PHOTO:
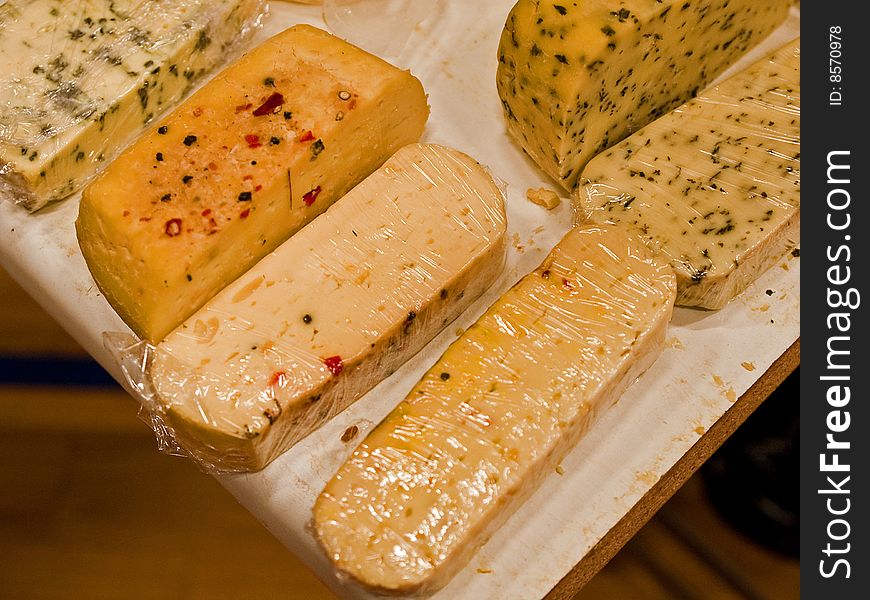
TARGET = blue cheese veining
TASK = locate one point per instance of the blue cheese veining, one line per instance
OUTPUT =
(81, 78)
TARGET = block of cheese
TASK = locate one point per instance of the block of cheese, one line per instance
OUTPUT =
(239, 167)
(577, 77)
(80, 80)
(331, 312)
(715, 185)
(499, 409)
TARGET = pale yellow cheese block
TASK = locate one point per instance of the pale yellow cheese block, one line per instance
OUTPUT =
(715, 185)
(577, 77)
(504, 403)
(244, 163)
(333, 310)
(80, 80)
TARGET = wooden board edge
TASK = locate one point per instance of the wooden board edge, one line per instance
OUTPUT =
(676, 476)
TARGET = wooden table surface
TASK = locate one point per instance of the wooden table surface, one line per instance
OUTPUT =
(677, 475)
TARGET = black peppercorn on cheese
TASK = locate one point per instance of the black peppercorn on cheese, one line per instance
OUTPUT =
(239, 167)
(333, 310)
(713, 186)
(577, 77)
(80, 79)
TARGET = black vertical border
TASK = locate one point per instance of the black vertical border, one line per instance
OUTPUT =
(829, 128)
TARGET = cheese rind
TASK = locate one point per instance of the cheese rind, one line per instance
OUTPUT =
(333, 310)
(243, 164)
(504, 403)
(575, 78)
(714, 186)
(81, 81)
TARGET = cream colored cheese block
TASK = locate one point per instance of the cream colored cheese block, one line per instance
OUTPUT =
(577, 77)
(243, 164)
(333, 310)
(81, 79)
(714, 186)
(504, 403)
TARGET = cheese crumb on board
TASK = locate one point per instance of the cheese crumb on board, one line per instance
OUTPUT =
(543, 197)
(331, 312)
(244, 163)
(715, 185)
(575, 78)
(501, 408)
(80, 79)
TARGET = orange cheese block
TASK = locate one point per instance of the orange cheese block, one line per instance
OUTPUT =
(243, 164)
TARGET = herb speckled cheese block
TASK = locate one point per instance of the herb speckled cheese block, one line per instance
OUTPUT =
(80, 79)
(714, 186)
(243, 164)
(577, 77)
(332, 311)
(501, 407)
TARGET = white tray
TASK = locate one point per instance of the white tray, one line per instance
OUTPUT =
(710, 359)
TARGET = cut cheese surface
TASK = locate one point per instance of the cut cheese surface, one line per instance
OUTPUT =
(577, 77)
(715, 185)
(81, 78)
(504, 403)
(333, 310)
(244, 163)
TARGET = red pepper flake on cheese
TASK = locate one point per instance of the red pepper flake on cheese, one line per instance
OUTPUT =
(334, 364)
(279, 378)
(311, 196)
(272, 104)
(173, 227)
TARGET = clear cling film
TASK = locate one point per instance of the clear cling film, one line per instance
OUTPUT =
(329, 314)
(499, 409)
(81, 79)
(705, 368)
(714, 186)
(364, 22)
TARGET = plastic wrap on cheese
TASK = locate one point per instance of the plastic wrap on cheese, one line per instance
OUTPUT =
(493, 416)
(577, 77)
(714, 186)
(330, 313)
(81, 78)
(241, 165)
(364, 22)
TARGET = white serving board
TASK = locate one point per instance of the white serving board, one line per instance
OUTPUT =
(711, 358)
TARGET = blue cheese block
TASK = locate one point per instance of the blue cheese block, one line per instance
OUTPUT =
(577, 77)
(714, 187)
(88, 76)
